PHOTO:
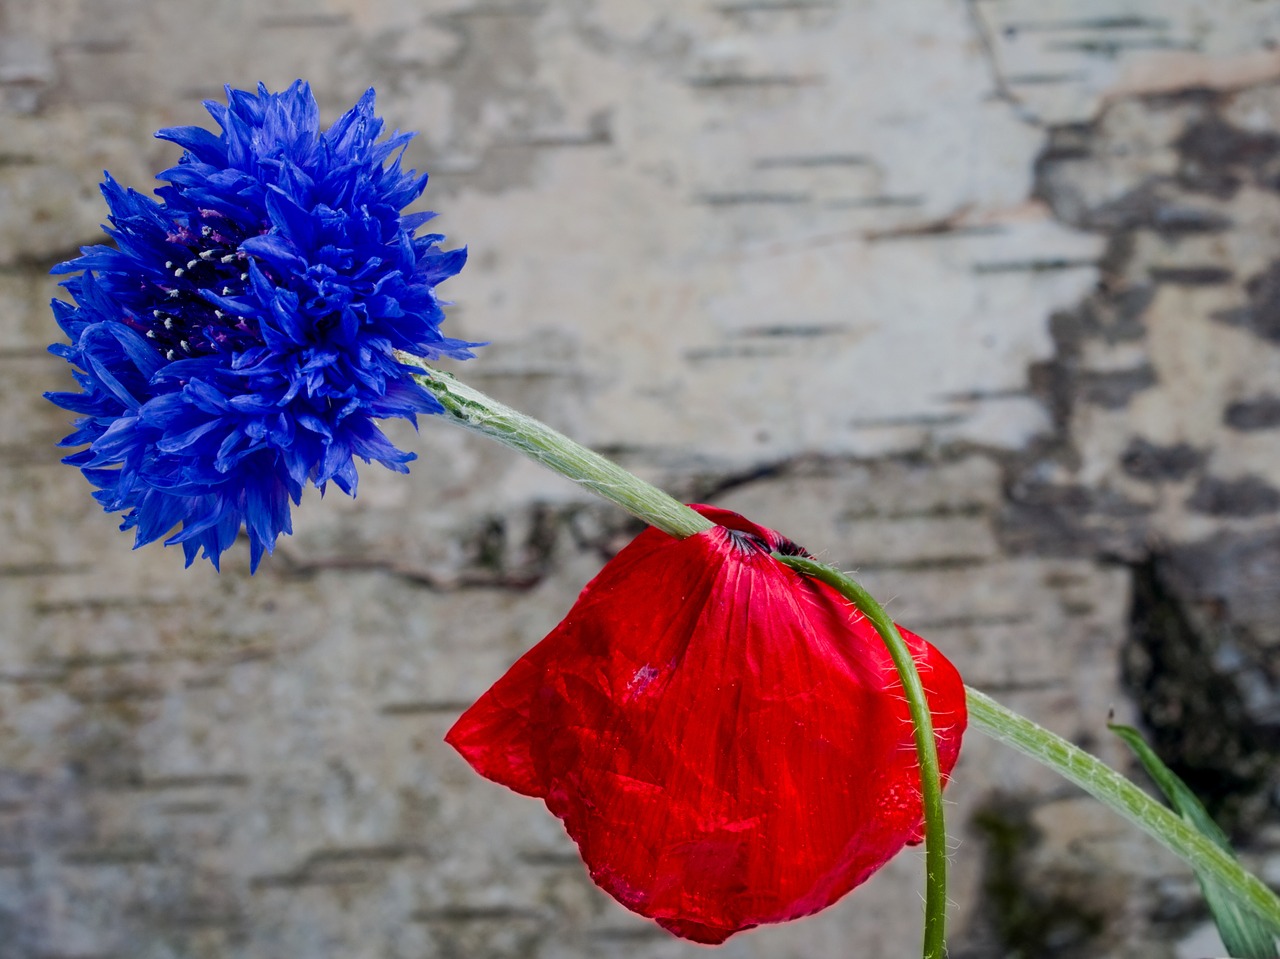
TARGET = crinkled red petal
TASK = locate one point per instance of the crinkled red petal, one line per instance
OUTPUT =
(725, 739)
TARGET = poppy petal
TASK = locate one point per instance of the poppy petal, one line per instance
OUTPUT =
(725, 739)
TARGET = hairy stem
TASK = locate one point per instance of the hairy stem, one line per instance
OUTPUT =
(935, 829)
(472, 410)
(1114, 790)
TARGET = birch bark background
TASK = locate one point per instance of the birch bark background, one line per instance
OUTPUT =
(980, 299)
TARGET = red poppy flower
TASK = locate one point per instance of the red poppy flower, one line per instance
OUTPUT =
(725, 739)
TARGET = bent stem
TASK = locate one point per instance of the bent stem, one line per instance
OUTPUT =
(935, 830)
(478, 413)
(474, 411)
(1114, 790)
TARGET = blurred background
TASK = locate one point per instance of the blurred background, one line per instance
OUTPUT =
(979, 299)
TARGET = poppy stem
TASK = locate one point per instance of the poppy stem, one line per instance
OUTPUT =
(1114, 790)
(472, 410)
(935, 830)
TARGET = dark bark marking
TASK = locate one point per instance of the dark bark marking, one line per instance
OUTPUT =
(1244, 497)
(1152, 463)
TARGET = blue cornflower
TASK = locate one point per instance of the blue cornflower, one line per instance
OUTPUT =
(241, 338)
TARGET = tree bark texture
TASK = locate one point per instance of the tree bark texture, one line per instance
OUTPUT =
(979, 299)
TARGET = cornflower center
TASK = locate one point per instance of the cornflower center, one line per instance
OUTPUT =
(178, 318)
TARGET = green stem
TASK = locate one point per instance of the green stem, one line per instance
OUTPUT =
(476, 412)
(1109, 787)
(472, 410)
(935, 830)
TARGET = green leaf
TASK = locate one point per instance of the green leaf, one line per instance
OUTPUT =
(1244, 935)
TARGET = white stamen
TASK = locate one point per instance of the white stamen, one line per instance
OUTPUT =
(205, 255)
(206, 230)
(179, 271)
(169, 354)
(218, 314)
(186, 347)
(244, 276)
(151, 334)
(173, 294)
(168, 264)
(168, 322)
(227, 259)
(191, 263)
(226, 291)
